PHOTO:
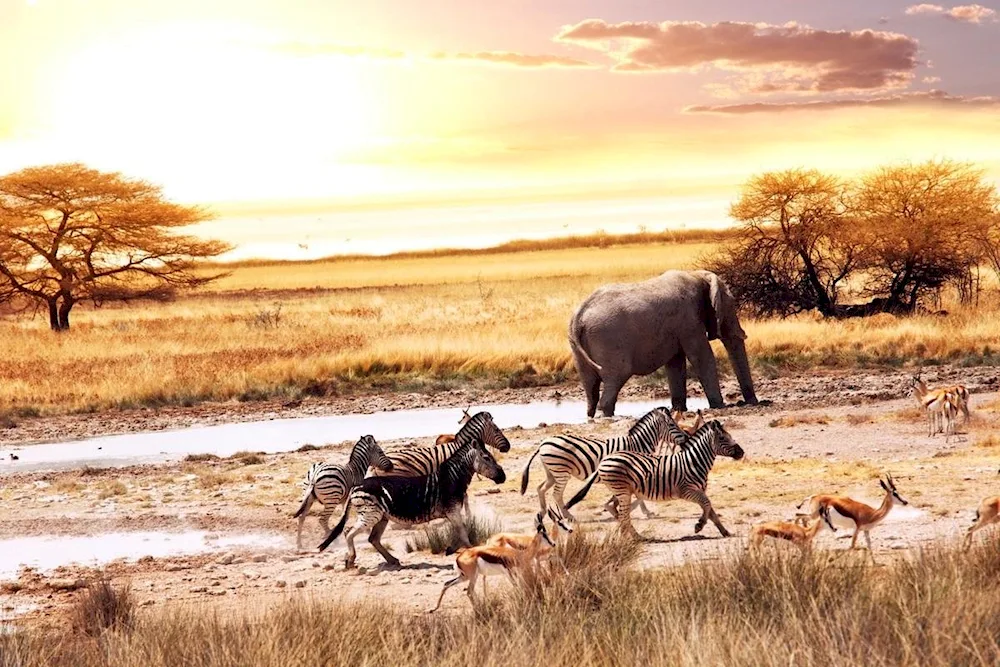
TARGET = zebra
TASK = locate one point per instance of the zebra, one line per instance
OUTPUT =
(330, 483)
(411, 501)
(424, 460)
(683, 475)
(565, 456)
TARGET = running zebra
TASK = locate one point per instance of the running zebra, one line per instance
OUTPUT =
(425, 460)
(410, 501)
(682, 475)
(565, 456)
(331, 483)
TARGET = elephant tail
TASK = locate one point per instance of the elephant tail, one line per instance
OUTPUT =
(578, 349)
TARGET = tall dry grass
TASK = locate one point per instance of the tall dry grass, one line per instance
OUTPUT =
(327, 328)
(770, 608)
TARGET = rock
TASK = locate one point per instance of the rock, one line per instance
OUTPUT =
(217, 591)
(199, 589)
(249, 574)
(216, 582)
(145, 559)
(280, 583)
(227, 559)
(329, 566)
(66, 584)
(542, 425)
(177, 568)
(492, 490)
(300, 583)
(259, 558)
(288, 559)
(314, 564)
(147, 603)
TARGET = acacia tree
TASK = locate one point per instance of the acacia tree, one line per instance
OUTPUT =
(796, 243)
(69, 233)
(925, 225)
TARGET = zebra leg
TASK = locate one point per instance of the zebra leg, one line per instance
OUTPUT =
(306, 505)
(455, 519)
(557, 495)
(352, 554)
(625, 514)
(611, 507)
(375, 538)
(707, 512)
(543, 488)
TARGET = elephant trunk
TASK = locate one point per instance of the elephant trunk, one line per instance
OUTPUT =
(741, 365)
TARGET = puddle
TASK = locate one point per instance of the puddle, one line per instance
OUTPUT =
(48, 552)
(283, 435)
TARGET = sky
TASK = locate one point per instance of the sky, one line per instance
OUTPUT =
(312, 127)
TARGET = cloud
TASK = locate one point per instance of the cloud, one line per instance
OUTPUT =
(511, 59)
(963, 13)
(931, 79)
(796, 57)
(933, 98)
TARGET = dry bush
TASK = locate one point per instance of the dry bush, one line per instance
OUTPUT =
(103, 606)
(858, 418)
(440, 538)
(248, 458)
(788, 421)
(200, 458)
(112, 488)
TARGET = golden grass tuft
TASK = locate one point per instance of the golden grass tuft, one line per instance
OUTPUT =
(789, 421)
(773, 607)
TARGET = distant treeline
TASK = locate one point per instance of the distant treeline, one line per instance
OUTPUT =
(596, 240)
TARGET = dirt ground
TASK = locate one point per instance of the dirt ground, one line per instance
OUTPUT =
(831, 432)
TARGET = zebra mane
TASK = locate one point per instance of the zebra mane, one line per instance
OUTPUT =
(473, 428)
(359, 453)
(648, 418)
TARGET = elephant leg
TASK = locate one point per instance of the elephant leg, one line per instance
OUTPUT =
(677, 381)
(700, 352)
(610, 395)
(591, 382)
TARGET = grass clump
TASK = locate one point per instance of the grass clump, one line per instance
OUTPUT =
(200, 458)
(103, 607)
(440, 538)
(248, 458)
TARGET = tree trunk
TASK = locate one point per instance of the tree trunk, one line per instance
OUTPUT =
(54, 315)
(67, 305)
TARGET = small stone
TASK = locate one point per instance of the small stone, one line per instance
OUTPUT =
(217, 591)
(66, 584)
(259, 558)
(314, 564)
(145, 559)
(281, 583)
(148, 603)
(227, 559)
(300, 583)
(492, 490)
(329, 566)
(542, 425)
(199, 589)
(249, 574)
(216, 583)
(288, 559)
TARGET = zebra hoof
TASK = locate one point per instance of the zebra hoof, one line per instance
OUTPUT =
(698, 526)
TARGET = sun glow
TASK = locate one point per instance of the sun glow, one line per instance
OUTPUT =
(218, 102)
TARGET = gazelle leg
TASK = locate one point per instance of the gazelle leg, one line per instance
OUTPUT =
(448, 584)
(375, 538)
(707, 511)
(854, 538)
(645, 510)
(868, 539)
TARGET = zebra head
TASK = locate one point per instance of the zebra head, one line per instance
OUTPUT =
(376, 457)
(482, 432)
(484, 464)
(721, 442)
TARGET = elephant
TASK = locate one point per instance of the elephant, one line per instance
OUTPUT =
(627, 329)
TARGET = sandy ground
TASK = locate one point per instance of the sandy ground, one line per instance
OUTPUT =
(834, 432)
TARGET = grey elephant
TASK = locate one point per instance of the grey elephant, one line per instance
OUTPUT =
(630, 329)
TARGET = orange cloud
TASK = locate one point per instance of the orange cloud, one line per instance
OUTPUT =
(802, 58)
(964, 13)
(514, 59)
(934, 98)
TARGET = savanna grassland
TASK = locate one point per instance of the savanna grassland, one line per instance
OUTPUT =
(411, 322)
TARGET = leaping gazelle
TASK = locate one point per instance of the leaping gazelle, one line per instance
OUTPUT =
(987, 514)
(851, 514)
(800, 536)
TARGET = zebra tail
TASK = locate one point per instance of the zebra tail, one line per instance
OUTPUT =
(582, 492)
(527, 471)
(338, 529)
(305, 502)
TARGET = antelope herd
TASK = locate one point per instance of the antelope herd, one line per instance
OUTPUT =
(661, 457)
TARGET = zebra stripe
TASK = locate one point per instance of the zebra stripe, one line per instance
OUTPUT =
(683, 475)
(330, 483)
(479, 431)
(566, 456)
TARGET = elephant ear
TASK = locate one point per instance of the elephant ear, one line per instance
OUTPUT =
(722, 320)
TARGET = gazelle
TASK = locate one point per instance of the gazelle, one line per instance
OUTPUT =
(492, 560)
(851, 514)
(523, 541)
(800, 536)
(678, 416)
(445, 438)
(987, 514)
(933, 402)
